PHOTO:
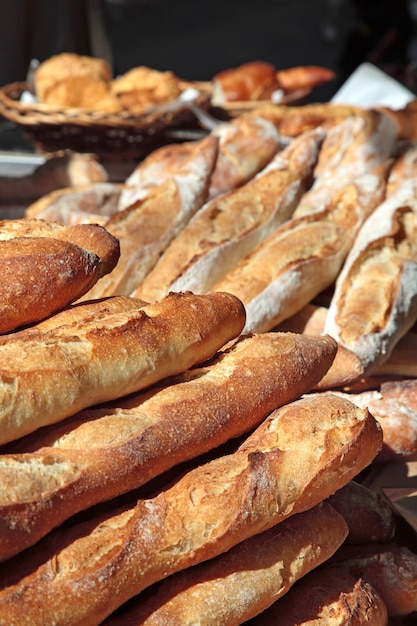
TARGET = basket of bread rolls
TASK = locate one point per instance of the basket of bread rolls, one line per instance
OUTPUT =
(197, 381)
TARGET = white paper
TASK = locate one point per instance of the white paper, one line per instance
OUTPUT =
(368, 86)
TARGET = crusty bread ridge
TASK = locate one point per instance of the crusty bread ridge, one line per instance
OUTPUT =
(300, 455)
(241, 583)
(229, 226)
(104, 452)
(47, 375)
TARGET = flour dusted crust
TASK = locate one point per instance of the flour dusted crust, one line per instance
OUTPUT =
(106, 357)
(147, 226)
(101, 453)
(287, 466)
(242, 583)
(375, 300)
(301, 257)
(229, 226)
(327, 597)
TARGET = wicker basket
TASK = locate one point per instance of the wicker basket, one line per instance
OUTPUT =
(109, 135)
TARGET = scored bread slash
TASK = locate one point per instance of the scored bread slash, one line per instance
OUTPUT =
(375, 298)
(45, 266)
(146, 227)
(302, 257)
(246, 145)
(47, 375)
(301, 454)
(360, 144)
(103, 452)
(326, 596)
(187, 163)
(226, 228)
(253, 574)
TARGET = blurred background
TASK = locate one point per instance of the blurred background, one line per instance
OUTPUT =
(196, 39)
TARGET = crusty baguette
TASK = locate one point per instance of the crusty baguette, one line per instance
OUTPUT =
(302, 257)
(360, 144)
(47, 375)
(300, 455)
(45, 266)
(246, 145)
(146, 228)
(228, 227)
(180, 162)
(367, 514)
(375, 298)
(346, 368)
(394, 405)
(104, 452)
(88, 204)
(390, 569)
(327, 597)
(241, 583)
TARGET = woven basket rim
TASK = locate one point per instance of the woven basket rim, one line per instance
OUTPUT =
(36, 113)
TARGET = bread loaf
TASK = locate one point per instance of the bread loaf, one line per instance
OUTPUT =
(93, 203)
(102, 453)
(241, 583)
(147, 227)
(301, 258)
(368, 515)
(327, 596)
(228, 227)
(389, 568)
(255, 80)
(246, 145)
(47, 375)
(46, 266)
(303, 77)
(394, 405)
(187, 163)
(362, 143)
(300, 455)
(375, 299)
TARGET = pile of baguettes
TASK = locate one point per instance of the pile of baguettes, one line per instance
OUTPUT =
(198, 366)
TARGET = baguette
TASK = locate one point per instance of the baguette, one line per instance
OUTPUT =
(241, 583)
(88, 204)
(46, 266)
(368, 515)
(394, 405)
(104, 452)
(145, 228)
(107, 357)
(301, 258)
(375, 298)
(389, 568)
(300, 455)
(246, 145)
(186, 163)
(327, 596)
(228, 227)
(362, 143)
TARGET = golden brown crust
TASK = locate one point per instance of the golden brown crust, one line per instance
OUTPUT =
(46, 266)
(290, 463)
(99, 454)
(146, 227)
(241, 583)
(228, 227)
(67, 64)
(301, 257)
(107, 357)
(390, 569)
(327, 597)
